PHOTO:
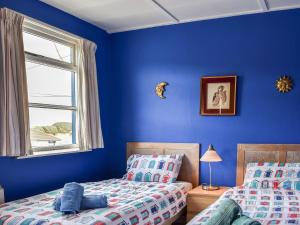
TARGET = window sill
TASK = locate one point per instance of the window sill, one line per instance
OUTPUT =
(53, 153)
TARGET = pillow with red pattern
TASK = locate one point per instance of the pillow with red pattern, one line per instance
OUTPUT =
(273, 175)
(154, 168)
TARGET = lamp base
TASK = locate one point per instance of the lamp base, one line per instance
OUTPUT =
(210, 188)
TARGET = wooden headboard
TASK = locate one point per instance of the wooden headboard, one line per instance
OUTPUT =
(264, 153)
(189, 171)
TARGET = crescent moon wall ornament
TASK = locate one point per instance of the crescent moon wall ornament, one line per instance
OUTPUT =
(284, 84)
(160, 89)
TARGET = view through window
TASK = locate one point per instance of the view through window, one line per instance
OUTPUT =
(51, 78)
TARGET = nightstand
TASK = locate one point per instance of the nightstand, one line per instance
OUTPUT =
(199, 199)
(1, 195)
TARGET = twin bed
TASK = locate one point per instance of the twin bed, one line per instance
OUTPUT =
(130, 202)
(270, 193)
(267, 192)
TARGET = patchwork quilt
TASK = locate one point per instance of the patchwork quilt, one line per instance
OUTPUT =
(268, 206)
(130, 203)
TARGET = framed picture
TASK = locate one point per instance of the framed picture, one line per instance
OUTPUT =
(218, 95)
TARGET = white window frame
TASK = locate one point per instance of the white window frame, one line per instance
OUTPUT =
(56, 35)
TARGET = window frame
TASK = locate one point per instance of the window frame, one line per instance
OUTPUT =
(61, 37)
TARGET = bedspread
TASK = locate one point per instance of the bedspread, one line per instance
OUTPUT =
(129, 203)
(268, 206)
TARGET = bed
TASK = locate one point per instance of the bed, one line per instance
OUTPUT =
(266, 202)
(130, 202)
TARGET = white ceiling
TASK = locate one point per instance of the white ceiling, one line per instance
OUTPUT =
(123, 15)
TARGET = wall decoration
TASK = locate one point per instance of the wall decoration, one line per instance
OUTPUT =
(284, 84)
(218, 95)
(160, 89)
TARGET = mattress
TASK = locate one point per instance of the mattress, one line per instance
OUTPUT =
(268, 206)
(129, 202)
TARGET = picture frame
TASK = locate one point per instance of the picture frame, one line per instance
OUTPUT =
(218, 95)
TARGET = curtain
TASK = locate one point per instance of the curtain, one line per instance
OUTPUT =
(14, 112)
(89, 125)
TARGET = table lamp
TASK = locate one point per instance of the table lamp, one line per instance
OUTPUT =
(210, 156)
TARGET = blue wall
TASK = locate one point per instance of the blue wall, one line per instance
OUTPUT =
(25, 177)
(258, 48)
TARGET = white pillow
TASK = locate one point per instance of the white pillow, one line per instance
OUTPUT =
(154, 168)
(273, 175)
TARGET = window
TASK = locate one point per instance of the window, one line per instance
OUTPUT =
(51, 77)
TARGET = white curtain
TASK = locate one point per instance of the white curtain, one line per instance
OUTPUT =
(89, 125)
(14, 112)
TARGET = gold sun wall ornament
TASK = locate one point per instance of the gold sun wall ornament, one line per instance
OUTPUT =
(284, 84)
(160, 89)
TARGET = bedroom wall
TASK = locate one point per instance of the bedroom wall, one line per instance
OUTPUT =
(258, 48)
(25, 177)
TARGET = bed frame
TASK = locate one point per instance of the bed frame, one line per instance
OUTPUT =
(264, 153)
(189, 171)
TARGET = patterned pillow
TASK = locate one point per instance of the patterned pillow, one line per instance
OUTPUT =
(154, 168)
(273, 175)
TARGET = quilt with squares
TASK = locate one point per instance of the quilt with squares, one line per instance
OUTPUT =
(130, 203)
(268, 206)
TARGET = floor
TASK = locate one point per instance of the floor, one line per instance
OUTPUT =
(180, 221)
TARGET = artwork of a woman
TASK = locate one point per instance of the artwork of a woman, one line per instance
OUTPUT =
(219, 97)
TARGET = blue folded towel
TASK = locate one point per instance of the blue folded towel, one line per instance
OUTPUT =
(87, 202)
(93, 202)
(245, 220)
(71, 198)
(225, 214)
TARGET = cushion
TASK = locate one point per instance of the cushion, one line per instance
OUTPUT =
(273, 175)
(154, 168)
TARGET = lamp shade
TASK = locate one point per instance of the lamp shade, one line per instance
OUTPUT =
(211, 155)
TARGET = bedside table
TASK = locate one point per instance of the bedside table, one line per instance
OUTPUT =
(199, 199)
(1, 195)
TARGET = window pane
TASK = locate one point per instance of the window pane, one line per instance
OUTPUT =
(49, 85)
(45, 47)
(51, 127)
